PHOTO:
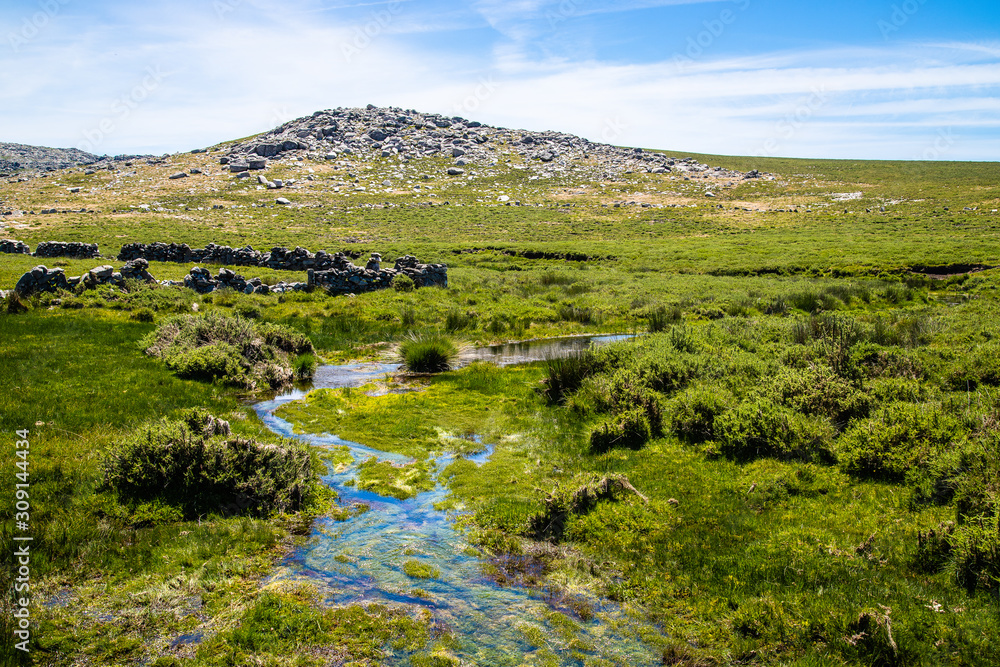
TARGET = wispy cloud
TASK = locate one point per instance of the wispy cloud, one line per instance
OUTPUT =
(235, 75)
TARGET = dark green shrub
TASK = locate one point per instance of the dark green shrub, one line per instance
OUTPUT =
(934, 548)
(403, 283)
(232, 350)
(975, 553)
(758, 427)
(978, 367)
(818, 391)
(142, 315)
(167, 463)
(570, 313)
(896, 439)
(434, 353)
(626, 430)
(691, 414)
(216, 361)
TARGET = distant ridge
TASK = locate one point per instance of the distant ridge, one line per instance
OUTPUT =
(15, 157)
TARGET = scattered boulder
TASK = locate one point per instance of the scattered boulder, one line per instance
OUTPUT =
(178, 175)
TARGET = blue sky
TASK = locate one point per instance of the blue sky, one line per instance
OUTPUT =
(900, 79)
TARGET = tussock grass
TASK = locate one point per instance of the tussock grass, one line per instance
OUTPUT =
(433, 353)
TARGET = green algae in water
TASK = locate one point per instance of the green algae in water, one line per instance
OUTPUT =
(396, 481)
(418, 570)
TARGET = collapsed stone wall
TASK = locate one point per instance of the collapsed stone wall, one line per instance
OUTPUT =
(346, 278)
(279, 258)
(62, 249)
(14, 247)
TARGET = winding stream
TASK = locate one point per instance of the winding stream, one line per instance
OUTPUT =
(361, 559)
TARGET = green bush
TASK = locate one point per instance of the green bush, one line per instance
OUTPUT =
(626, 430)
(169, 463)
(691, 414)
(231, 350)
(979, 367)
(975, 554)
(403, 283)
(434, 353)
(898, 438)
(216, 361)
(760, 428)
(662, 316)
(818, 391)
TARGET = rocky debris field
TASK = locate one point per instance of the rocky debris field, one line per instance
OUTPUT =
(376, 132)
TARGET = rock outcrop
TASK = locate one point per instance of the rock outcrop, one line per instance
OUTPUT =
(375, 132)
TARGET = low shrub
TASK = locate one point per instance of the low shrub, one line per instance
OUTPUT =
(691, 414)
(434, 353)
(661, 317)
(898, 438)
(304, 366)
(248, 310)
(231, 350)
(403, 283)
(818, 391)
(626, 430)
(759, 427)
(216, 361)
(168, 462)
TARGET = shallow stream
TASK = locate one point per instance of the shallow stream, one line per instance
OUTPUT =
(361, 560)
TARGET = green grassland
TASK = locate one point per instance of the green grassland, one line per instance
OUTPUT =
(804, 410)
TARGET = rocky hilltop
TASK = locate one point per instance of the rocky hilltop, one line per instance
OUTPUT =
(408, 134)
(15, 157)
